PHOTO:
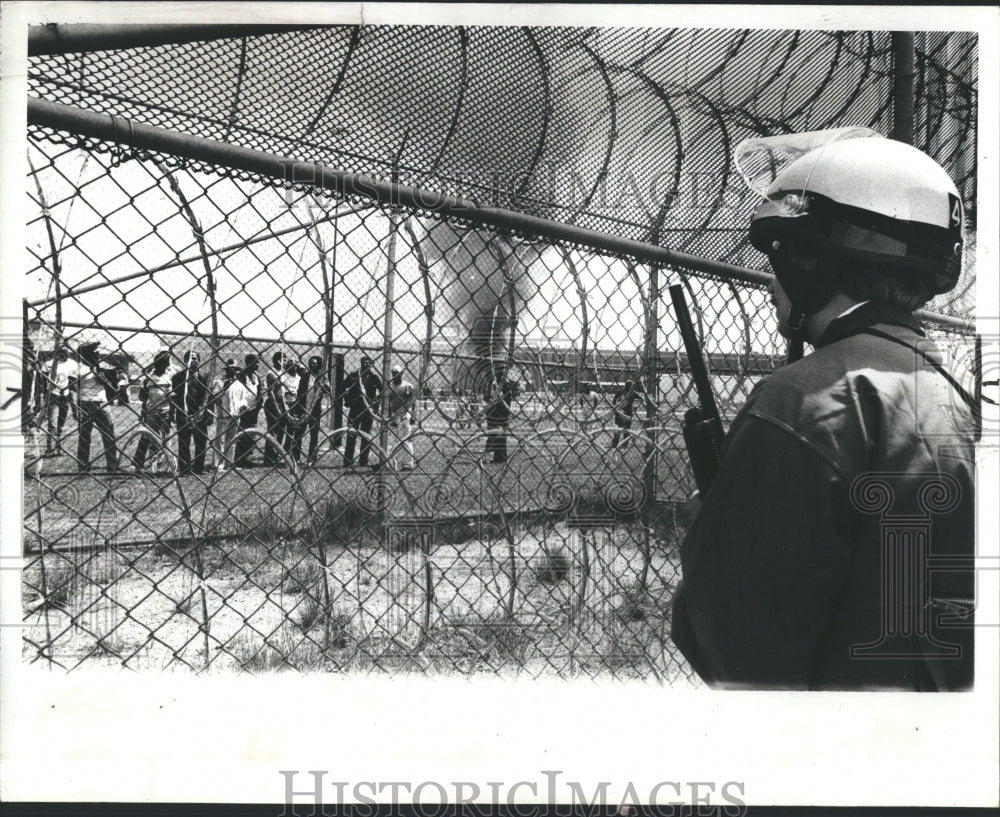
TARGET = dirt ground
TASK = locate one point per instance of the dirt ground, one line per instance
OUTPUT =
(273, 568)
(549, 600)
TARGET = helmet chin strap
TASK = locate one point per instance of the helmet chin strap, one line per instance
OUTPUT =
(797, 323)
(807, 291)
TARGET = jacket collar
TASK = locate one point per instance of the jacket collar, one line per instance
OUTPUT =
(867, 315)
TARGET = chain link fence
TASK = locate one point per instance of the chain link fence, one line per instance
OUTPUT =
(241, 480)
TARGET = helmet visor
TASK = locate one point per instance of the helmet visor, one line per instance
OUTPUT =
(760, 160)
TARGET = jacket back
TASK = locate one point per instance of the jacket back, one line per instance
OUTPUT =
(834, 548)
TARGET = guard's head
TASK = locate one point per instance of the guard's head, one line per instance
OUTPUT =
(191, 359)
(366, 363)
(855, 213)
(397, 375)
(315, 364)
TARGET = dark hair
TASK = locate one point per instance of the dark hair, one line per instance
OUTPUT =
(861, 279)
(276, 357)
(874, 282)
(251, 360)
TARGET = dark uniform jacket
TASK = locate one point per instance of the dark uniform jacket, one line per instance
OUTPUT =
(832, 550)
(302, 395)
(499, 398)
(190, 395)
(361, 403)
(624, 401)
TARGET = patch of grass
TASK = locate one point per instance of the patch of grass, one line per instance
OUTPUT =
(455, 532)
(111, 644)
(634, 606)
(59, 585)
(265, 524)
(472, 643)
(261, 522)
(306, 576)
(253, 654)
(503, 636)
(309, 613)
(106, 568)
(631, 638)
(340, 636)
(263, 563)
(167, 550)
(552, 566)
(189, 602)
(186, 605)
(282, 650)
(621, 649)
(254, 523)
(670, 520)
(341, 520)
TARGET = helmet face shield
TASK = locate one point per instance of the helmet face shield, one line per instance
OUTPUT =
(761, 160)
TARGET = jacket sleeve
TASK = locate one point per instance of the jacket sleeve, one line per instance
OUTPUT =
(176, 392)
(763, 561)
(302, 392)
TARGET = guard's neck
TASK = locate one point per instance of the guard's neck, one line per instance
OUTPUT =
(817, 323)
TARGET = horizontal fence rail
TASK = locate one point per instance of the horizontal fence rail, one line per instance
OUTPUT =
(84, 37)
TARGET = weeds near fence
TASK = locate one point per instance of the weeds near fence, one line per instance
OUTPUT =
(305, 576)
(497, 637)
(341, 520)
(106, 567)
(57, 586)
(112, 644)
(552, 566)
(286, 648)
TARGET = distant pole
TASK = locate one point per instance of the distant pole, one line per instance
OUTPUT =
(390, 296)
(390, 307)
(56, 266)
(328, 278)
(59, 341)
(903, 58)
(199, 235)
(651, 394)
(331, 315)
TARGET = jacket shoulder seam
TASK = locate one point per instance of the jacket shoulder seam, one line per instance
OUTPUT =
(815, 449)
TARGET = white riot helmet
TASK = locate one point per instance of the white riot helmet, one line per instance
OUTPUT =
(856, 197)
